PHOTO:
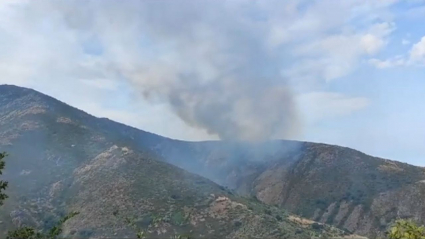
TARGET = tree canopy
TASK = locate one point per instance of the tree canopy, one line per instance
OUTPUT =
(3, 184)
(406, 229)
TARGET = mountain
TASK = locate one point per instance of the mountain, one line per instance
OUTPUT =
(326, 183)
(118, 178)
(61, 155)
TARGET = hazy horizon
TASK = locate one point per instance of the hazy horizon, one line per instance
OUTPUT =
(347, 73)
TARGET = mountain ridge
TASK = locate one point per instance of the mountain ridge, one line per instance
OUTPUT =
(7, 87)
(327, 183)
(62, 159)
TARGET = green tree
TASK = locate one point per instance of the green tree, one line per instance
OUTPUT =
(29, 232)
(24, 233)
(56, 230)
(3, 184)
(406, 229)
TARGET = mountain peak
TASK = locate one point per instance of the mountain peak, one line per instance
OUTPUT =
(55, 146)
(62, 159)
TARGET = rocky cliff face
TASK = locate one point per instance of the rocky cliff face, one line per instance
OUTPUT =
(62, 159)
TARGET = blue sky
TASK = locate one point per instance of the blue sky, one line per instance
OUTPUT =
(350, 72)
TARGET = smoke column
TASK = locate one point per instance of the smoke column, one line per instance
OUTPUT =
(214, 62)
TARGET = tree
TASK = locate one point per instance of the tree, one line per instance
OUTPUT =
(29, 232)
(406, 229)
(24, 233)
(3, 184)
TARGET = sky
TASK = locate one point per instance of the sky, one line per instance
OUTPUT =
(350, 73)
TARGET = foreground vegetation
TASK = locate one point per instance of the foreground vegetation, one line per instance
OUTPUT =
(3, 184)
(406, 229)
(31, 233)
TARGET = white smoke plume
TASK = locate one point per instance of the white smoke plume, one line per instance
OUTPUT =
(211, 62)
(223, 66)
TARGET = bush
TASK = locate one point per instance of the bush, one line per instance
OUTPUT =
(268, 211)
(24, 233)
(406, 229)
(317, 226)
